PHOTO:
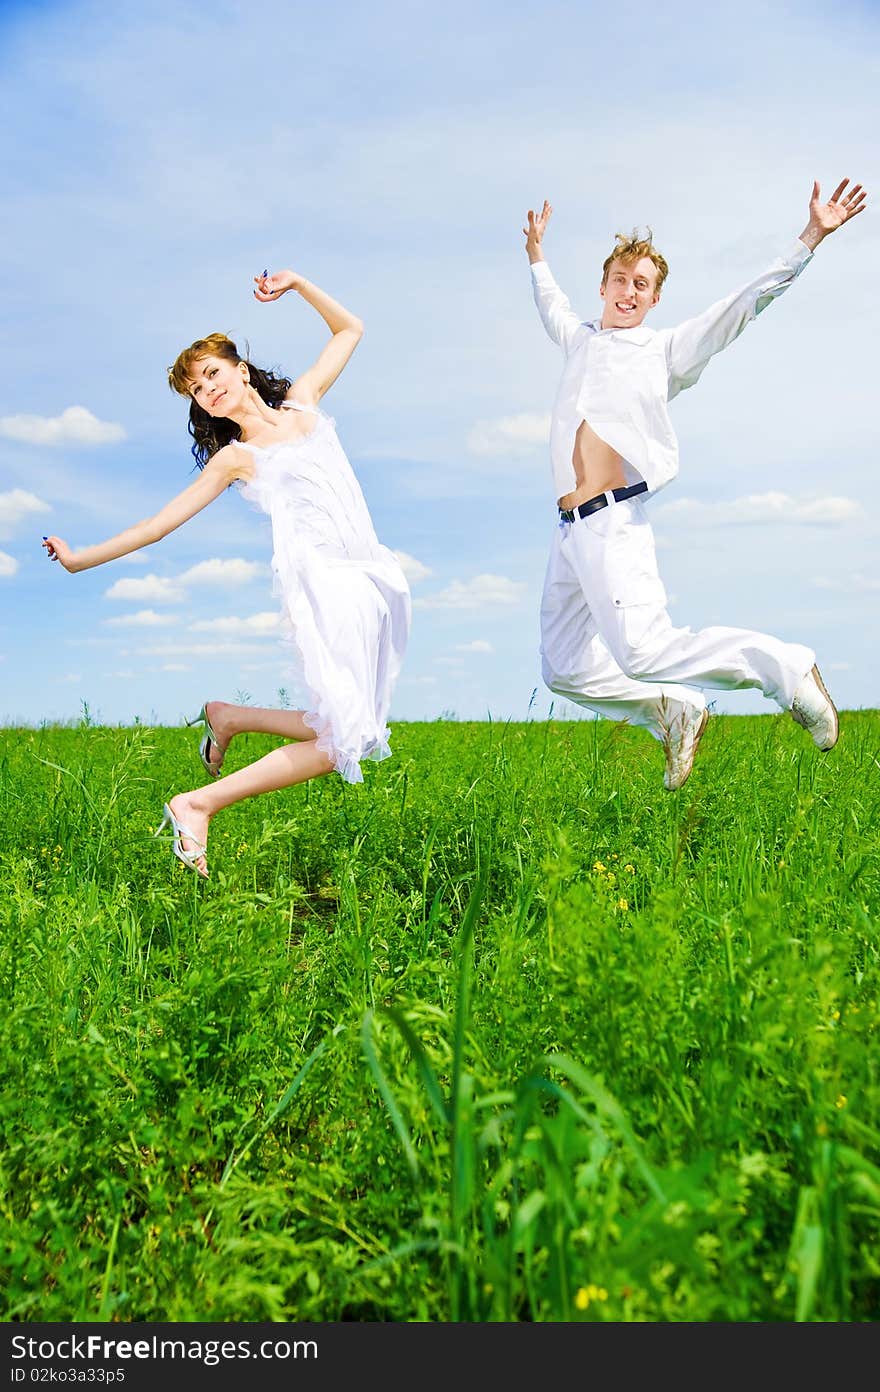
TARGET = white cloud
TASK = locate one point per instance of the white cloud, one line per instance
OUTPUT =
(18, 504)
(449, 661)
(419, 681)
(75, 426)
(151, 588)
(256, 624)
(761, 509)
(509, 434)
(144, 618)
(215, 648)
(412, 569)
(478, 593)
(220, 572)
(851, 584)
(175, 667)
(479, 645)
(8, 565)
(172, 590)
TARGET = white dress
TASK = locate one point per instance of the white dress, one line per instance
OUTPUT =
(344, 598)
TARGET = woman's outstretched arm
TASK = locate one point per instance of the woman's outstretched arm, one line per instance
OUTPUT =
(345, 327)
(217, 474)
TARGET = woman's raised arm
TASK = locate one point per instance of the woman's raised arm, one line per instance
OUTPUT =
(345, 327)
(216, 476)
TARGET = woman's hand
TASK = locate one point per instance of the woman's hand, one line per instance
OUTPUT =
(59, 550)
(271, 287)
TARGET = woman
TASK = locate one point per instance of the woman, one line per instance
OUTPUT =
(345, 601)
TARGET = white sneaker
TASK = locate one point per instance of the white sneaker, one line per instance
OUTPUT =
(680, 740)
(813, 708)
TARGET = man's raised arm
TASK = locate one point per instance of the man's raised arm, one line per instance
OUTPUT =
(690, 346)
(557, 315)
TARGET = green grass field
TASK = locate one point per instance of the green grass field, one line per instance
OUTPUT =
(506, 1033)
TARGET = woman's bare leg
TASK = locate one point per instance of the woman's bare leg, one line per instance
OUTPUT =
(292, 763)
(227, 721)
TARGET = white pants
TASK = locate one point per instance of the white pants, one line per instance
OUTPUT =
(608, 643)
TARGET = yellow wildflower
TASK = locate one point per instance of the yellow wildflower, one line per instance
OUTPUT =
(841, 1102)
(587, 1294)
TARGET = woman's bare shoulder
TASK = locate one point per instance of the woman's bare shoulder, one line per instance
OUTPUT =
(232, 461)
(301, 393)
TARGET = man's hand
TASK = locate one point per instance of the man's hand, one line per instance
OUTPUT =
(827, 217)
(534, 233)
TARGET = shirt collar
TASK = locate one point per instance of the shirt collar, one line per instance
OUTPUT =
(639, 336)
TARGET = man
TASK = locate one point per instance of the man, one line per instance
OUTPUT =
(607, 641)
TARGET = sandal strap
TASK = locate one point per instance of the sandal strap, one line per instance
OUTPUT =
(181, 831)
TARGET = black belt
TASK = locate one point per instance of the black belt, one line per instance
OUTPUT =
(600, 501)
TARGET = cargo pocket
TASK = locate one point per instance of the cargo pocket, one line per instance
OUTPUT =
(640, 601)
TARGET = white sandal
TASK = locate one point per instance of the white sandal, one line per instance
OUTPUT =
(178, 830)
(208, 739)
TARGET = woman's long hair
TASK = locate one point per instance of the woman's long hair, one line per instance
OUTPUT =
(211, 433)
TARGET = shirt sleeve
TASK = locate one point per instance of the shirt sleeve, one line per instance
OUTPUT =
(690, 346)
(557, 315)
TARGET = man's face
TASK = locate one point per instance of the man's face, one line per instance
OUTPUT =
(629, 292)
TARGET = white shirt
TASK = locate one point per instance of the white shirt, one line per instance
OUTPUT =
(620, 380)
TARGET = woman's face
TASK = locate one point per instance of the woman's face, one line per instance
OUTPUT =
(218, 385)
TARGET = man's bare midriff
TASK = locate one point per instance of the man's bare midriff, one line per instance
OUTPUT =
(597, 467)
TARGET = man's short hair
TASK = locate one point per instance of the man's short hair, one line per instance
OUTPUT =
(633, 248)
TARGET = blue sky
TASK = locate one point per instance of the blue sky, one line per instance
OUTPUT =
(165, 154)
